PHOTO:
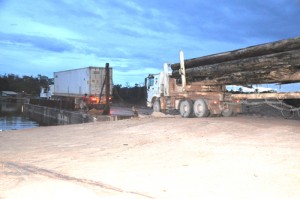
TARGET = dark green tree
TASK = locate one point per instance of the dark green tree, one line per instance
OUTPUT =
(26, 84)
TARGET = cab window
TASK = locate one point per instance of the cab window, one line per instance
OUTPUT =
(151, 82)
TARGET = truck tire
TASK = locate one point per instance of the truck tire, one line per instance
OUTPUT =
(200, 108)
(156, 106)
(227, 111)
(186, 108)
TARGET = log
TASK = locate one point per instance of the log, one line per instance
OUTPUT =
(252, 51)
(288, 95)
(239, 78)
(258, 69)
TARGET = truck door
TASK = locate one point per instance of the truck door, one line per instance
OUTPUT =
(152, 85)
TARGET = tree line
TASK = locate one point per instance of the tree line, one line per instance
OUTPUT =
(135, 95)
(25, 84)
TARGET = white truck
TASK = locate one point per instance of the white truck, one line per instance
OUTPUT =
(75, 84)
(200, 90)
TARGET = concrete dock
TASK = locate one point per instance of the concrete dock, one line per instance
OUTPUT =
(53, 116)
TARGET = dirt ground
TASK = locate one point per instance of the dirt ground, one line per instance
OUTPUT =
(158, 156)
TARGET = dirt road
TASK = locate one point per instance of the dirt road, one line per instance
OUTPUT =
(166, 157)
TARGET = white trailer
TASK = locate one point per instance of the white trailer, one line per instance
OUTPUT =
(74, 84)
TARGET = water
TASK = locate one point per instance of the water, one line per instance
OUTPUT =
(12, 117)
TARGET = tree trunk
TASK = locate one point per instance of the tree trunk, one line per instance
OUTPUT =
(253, 51)
(275, 67)
(250, 77)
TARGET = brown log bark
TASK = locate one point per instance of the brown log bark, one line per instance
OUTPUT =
(250, 77)
(252, 51)
(249, 70)
(285, 95)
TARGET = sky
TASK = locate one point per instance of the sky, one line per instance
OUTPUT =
(135, 37)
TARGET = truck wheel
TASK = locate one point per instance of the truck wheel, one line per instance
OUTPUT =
(156, 106)
(186, 108)
(200, 108)
(227, 111)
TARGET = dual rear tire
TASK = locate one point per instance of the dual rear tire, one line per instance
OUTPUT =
(227, 111)
(186, 108)
(189, 109)
(200, 108)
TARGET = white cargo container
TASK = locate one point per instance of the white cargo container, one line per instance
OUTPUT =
(78, 82)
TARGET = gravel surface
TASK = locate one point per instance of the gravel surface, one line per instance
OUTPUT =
(154, 156)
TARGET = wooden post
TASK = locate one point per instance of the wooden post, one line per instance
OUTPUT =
(106, 110)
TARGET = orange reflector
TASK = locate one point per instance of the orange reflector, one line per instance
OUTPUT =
(93, 99)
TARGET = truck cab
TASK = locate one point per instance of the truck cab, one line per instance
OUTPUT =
(153, 82)
(157, 86)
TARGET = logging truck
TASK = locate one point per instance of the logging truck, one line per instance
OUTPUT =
(197, 87)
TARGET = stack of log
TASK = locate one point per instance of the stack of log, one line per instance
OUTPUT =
(276, 62)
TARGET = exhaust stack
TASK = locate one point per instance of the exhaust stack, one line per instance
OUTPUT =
(182, 70)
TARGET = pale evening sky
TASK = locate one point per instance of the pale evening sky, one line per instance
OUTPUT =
(135, 37)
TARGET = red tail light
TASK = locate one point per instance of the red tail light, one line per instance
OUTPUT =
(93, 99)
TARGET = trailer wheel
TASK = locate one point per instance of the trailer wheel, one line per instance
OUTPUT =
(156, 106)
(186, 108)
(227, 111)
(200, 108)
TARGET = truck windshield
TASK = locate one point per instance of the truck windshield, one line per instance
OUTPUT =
(151, 82)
